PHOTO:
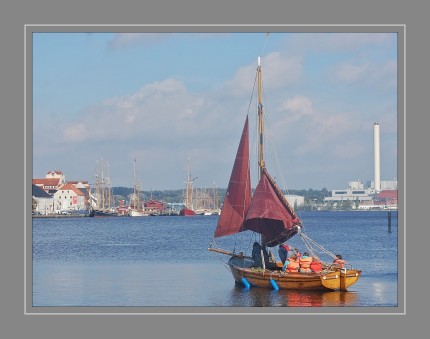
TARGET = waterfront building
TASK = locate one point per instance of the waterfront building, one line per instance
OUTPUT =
(354, 192)
(78, 194)
(43, 202)
(378, 194)
(52, 181)
(68, 198)
(295, 200)
(366, 198)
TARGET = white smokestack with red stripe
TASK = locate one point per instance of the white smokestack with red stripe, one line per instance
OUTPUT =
(377, 155)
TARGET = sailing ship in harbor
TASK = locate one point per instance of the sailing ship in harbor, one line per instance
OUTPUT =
(207, 204)
(102, 201)
(267, 216)
(188, 209)
(136, 206)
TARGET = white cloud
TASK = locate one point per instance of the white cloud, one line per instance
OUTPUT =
(75, 132)
(381, 76)
(317, 128)
(278, 70)
(299, 106)
(163, 111)
(349, 72)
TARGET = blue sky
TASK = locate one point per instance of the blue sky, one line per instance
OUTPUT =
(178, 100)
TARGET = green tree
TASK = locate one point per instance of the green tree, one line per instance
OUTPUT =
(33, 204)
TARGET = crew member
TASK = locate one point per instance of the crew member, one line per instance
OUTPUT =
(291, 264)
(316, 265)
(283, 252)
(305, 262)
(339, 261)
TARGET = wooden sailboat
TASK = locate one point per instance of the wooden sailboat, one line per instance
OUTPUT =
(188, 208)
(268, 213)
(203, 202)
(102, 201)
(136, 206)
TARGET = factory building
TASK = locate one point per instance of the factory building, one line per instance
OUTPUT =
(377, 195)
(295, 200)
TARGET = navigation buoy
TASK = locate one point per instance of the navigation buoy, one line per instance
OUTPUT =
(389, 222)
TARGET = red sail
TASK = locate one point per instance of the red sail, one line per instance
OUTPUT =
(270, 214)
(238, 195)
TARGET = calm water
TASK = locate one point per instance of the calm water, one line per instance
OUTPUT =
(164, 261)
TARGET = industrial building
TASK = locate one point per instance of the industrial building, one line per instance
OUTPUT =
(377, 195)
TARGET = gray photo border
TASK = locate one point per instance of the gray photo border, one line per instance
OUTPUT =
(401, 62)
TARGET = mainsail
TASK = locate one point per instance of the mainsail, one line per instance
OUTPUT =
(267, 212)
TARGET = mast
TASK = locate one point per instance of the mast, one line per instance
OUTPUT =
(261, 164)
(97, 192)
(134, 186)
(103, 189)
(261, 136)
(109, 189)
(215, 203)
(189, 201)
(187, 192)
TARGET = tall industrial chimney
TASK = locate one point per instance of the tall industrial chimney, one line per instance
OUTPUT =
(376, 151)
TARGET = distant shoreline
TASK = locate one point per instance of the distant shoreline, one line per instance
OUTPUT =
(59, 216)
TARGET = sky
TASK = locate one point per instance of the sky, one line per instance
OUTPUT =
(176, 102)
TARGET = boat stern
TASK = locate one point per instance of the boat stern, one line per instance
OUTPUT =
(340, 279)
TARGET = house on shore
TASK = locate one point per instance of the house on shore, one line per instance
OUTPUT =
(65, 197)
(70, 199)
(43, 203)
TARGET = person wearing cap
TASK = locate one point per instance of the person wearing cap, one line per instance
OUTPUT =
(283, 252)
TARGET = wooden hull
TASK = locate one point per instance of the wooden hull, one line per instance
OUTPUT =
(324, 281)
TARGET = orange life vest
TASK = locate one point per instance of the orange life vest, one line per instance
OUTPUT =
(293, 265)
(316, 266)
(339, 262)
(305, 264)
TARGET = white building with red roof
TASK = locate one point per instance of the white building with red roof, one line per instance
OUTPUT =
(52, 181)
(69, 198)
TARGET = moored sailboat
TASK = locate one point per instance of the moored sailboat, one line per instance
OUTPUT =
(188, 209)
(136, 207)
(267, 213)
(102, 200)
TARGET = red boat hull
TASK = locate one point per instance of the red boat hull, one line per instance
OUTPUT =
(186, 212)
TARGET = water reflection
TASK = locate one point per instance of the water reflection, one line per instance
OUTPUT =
(259, 297)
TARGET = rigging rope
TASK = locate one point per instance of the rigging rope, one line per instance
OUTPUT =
(265, 43)
(312, 244)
